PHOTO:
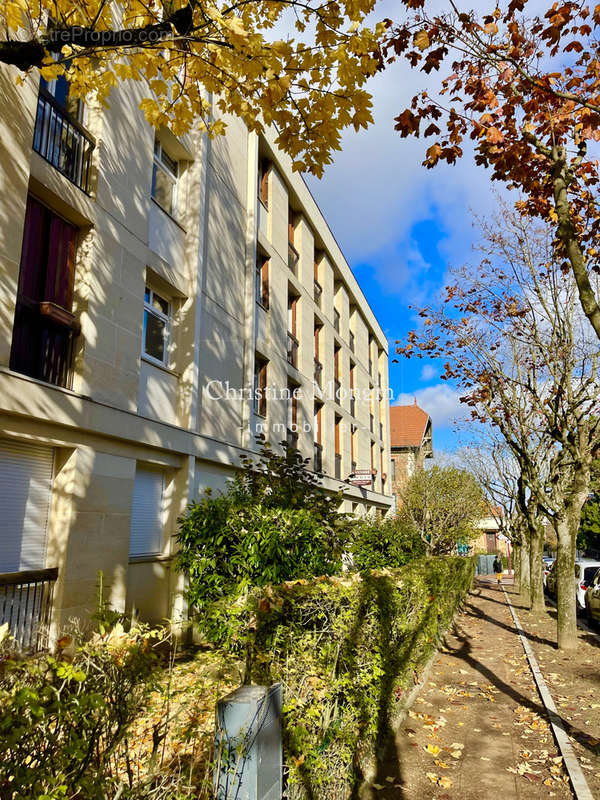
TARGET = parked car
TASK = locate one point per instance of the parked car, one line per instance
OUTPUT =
(585, 571)
(592, 598)
(548, 561)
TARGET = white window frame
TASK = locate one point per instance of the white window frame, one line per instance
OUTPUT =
(166, 318)
(159, 163)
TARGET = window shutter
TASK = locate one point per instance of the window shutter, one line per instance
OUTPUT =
(146, 513)
(25, 493)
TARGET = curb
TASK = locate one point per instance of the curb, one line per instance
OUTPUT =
(576, 776)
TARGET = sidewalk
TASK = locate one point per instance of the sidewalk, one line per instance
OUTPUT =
(478, 730)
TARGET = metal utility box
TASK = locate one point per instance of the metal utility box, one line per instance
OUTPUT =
(248, 744)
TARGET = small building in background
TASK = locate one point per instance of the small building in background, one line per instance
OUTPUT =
(411, 437)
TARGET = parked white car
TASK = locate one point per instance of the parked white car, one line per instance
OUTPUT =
(592, 598)
(585, 570)
(547, 565)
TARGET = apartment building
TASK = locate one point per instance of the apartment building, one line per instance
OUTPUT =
(162, 301)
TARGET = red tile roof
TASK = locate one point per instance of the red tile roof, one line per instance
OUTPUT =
(407, 425)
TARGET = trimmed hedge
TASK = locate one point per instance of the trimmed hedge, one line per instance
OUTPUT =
(346, 650)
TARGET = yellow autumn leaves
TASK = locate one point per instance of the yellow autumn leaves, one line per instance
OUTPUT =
(309, 83)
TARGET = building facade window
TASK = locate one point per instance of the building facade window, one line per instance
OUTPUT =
(59, 135)
(45, 328)
(261, 283)
(165, 172)
(264, 168)
(157, 326)
(146, 532)
(259, 397)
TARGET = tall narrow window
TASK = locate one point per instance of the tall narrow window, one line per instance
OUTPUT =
(338, 447)
(292, 413)
(44, 327)
(261, 284)
(164, 179)
(264, 167)
(260, 387)
(157, 324)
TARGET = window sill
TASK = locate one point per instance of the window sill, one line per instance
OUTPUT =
(170, 216)
(159, 365)
(258, 414)
(263, 204)
(262, 305)
(149, 558)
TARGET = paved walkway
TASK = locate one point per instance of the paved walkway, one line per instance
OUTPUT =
(478, 729)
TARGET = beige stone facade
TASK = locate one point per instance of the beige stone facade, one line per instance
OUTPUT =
(164, 319)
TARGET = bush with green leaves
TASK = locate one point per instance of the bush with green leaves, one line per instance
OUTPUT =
(346, 650)
(64, 720)
(274, 524)
(389, 543)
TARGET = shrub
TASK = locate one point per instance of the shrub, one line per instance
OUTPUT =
(346, 649)
(63, 721)
(391, 543)
(274, 524)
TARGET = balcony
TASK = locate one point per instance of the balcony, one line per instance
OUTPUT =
(62, 141)
(351, 341)
(353, 406)
(371, 423)
(318, 293)
(293, 258)
(43, 339)
(26, 606)
(336, 320)
(318, 373)
(338, 466)
(318, 457)
(292, 350)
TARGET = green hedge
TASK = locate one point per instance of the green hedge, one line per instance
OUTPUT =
(346, 650)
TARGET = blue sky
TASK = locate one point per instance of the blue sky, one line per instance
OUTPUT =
(401, 227)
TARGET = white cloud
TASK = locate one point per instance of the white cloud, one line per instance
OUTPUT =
(440, 401)
(429, 372)
(377, 190)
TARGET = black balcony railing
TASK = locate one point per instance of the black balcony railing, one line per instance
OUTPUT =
(353, 406)
(381, 430)
(370, 368)
(338, 466)
(43, 339)
(293, 257)
(318, 458)
(292, 350)
(26, 606)
(372, 423)
(336, 320)
(318, 293)
(62, 141)
(351, 341)
(318, 373)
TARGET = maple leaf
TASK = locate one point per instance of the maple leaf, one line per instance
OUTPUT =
(421, 40)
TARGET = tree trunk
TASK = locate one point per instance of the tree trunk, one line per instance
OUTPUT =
(516, 563)
(536, 567)
(565, 584)
(524, 573)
